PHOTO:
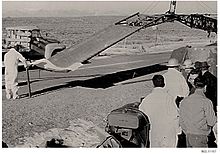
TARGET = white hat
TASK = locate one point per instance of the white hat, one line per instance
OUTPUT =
(188, 64)
(173, 62)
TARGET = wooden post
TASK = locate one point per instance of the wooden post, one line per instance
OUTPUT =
(28, 82)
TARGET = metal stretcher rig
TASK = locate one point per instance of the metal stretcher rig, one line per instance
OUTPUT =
(199, 21)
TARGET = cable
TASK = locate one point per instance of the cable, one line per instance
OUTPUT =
(204, 6)
(154, 4)
(207, 6)
(146, 10)
(206, 9)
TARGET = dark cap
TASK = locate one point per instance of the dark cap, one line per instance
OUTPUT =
(199, 82)
(198, 64)
(205, 65)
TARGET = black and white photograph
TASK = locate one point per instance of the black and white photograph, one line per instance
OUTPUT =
(109, 74)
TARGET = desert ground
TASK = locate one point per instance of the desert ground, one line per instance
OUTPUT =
(70, 106)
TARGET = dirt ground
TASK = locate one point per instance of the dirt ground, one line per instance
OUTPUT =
(72, 113)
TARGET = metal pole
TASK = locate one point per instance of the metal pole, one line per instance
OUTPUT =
(28, 82)
(39, 73)
(125, 42)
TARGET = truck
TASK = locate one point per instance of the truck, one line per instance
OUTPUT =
(30, 43)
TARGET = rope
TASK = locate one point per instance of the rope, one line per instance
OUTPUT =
(146, 10)
(207, 6)
(204, 6)
(152, 6)
(156, 4)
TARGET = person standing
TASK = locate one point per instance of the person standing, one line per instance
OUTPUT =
(198, 65)
(11, 59)
(187, 68)
(175, 83)
(163, 115)
(197, 116)
(211, 85)
(211, 93)
(191, 78)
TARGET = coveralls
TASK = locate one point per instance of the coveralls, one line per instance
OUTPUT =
(11, 60)
(163, 116)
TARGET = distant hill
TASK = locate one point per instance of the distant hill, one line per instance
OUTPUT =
(57, 13)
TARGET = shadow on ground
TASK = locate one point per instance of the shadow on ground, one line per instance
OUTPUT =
(23, 83)
(104, 81)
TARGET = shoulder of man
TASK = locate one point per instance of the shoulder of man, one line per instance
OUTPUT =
(188, 98)
(209, 78)
(206, 100)
(208, 74)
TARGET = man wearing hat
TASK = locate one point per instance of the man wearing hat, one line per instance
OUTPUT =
(197, 116)
(211, 93)
(11, 59)
(193, 74)
(198, 65)
(211, 84)
(175, 83)
(177, 87)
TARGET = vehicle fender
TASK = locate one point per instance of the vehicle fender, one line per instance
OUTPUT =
(51, 47)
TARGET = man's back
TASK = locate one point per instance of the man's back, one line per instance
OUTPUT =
(196, 113)
(163, 116)
(160, 108)
(12, 58)
(175, 83)
(156, 99)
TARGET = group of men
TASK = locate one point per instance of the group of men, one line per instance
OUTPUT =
(183, 102)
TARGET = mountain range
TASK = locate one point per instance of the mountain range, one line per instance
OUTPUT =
(56, 13)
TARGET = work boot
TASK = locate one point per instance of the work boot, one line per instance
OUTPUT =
(15, 92)
(8, 96)
(16, 97)
(8, 93)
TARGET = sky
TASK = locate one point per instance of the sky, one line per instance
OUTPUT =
(36, 8)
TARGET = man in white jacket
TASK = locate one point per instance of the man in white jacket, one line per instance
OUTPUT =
(175, 83)
(163, 115)
(11, 59)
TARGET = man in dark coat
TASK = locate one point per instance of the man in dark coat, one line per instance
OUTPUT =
(211, 85)
(211, 93)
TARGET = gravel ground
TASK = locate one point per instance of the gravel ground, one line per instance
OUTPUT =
(25, 117)
(29, 119)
